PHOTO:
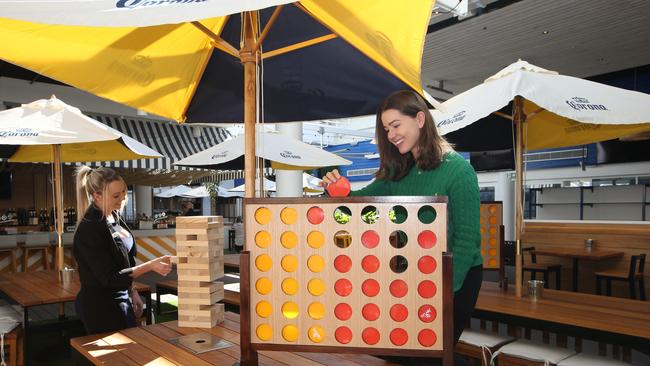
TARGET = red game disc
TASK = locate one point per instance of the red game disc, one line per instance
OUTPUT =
(427, 289)
(315, 215)
(427, 313)
(343, 311)
(399, 288)
(370, 287)
(370, 263)
(342, 263)
(343, 335)
(340, 188)
(370, 312)
(370, 239)
(370, 335)
(343, 287)
(427, 239)
(427, 337)
(398, 336)
(427, 264)
(399, 312)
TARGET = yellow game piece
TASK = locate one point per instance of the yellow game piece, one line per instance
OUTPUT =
(290, 333)
(315, 263)
(290, 286)
(263, 262)
(493, 231)
(288, 215)
(315, 239)
(492, 252)
(492, 262)
(264, 332)
(316, 310)
(264, 309)
(290, 310)
(263, 239)
(316, 334)
(316, 287)
(264, 286)
(492, 241)
(289, 239)
(289, 263)
(263, 215)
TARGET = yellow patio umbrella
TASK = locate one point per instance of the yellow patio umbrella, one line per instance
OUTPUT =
(307, 60)
(51, 131)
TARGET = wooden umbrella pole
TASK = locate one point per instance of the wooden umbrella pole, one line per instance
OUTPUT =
(248, 57)
(519, 120)
(58, 204)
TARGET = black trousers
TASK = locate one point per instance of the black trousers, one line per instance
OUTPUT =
(464, 303)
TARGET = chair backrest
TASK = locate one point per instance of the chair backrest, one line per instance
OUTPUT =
(8, 241)
(533, 256)
(637, 265)
(37, 239)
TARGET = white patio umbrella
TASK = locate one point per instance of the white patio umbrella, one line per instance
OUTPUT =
(269, 186)
(311, 184)
(549, 110)
(283, 152)
(175, 191)
(48, 130)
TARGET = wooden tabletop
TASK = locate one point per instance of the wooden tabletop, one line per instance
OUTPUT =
(580, 253)
(146, 345)
(614, 315)
(43, 287)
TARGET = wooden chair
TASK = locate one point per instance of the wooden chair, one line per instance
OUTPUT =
(480, 345)
(545, 269)
(8, 243)
(36, 241)
(13, 340)
(526, 353)
(634, 274)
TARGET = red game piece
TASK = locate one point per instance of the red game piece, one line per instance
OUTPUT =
(343, 287)
(427, 289)
(427, 337)
(399, 288)
(370, 312)
(370, 263)
(399, 312)
(343, 311)
(427, 239)
(427, 313)
(315, 215)
(370, 335)
(370, 239)
(427, 264)
(343, 335)
(342, 263)
(370, 287)
(398, 336)
(340, 188)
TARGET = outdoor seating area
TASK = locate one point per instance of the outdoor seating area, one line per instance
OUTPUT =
(324, 182)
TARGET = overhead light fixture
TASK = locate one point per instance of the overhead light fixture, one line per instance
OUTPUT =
(545, 32)
(440, 88)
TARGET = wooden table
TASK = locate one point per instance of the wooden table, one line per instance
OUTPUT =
(609, 319)
(43, 288)
(150, 344)
(578, 253)
(231, 261)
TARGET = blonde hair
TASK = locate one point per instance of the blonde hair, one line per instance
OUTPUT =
(91, 181)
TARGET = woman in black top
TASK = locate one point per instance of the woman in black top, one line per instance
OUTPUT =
(105, 250)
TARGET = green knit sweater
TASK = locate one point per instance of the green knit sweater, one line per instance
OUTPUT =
(456, 179)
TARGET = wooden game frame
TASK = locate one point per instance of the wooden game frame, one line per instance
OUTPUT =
(501, 238)
(249, 348)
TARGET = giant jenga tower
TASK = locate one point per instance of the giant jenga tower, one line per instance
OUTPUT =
(199, 247)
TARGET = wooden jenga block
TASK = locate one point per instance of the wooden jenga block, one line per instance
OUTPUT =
(202, 298)
(199, 286)
(214, 250)
(212, 316)
(211, 263)
(189, 222)
(214, 232)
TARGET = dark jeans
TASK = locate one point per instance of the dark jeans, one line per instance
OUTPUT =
(464, 302)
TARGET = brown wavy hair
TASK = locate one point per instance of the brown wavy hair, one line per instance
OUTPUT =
(431, 146)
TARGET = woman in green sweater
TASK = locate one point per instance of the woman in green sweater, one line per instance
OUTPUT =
(417, 161)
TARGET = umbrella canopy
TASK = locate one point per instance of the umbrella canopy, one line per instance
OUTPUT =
(197, 192)
(311, 184)
(176, 191)
(283, 152)
(321, 59)
(560, 110)
(548, 110)
(269, 186)
(28, 132)
(52, 131)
